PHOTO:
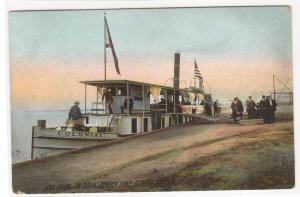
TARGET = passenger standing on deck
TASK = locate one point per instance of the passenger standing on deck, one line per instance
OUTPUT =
(108, 99)
(130, 102)
(75, 112)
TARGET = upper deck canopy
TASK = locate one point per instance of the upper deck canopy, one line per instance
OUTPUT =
(118, 82)
(124, 82)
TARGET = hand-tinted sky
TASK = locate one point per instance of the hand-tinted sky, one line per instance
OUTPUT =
(237, 49)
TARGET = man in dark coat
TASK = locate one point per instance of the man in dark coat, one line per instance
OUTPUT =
(267, 110)
(130, 102)
(250, 108)
(261, 107)
(107, 95)
(75, 112)
(216, 108)
(234, 107)
(240, 107)
(208, 106)
(270, 108)
(274, 108)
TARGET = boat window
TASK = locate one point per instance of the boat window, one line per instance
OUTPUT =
(121, 91)
(135, 91)
(112, 90)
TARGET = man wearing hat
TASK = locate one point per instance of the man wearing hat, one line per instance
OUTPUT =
(250, 108)
(262, 107)
(270, 108)
(234, 107)
(75, 112)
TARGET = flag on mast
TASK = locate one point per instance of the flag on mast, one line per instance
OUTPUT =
(198, 75)
(197, 72)
(111, 45)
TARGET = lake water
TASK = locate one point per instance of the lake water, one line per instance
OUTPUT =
(21, 129)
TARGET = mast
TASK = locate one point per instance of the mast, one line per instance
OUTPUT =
(274, 87)
(194, 72)
(104, 47)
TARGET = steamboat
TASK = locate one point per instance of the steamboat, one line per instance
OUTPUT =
(138, 108)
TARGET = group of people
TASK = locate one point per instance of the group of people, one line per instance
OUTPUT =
(107, 98)
(265, 109)
(209, 105)
(237, 109)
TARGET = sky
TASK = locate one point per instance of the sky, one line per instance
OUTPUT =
(237, 50)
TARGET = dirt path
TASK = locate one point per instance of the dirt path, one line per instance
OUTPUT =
(140, 164)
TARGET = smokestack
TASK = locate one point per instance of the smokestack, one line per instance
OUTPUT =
(176, 70)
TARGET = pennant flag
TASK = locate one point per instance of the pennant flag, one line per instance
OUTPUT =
(197, 72)
(111, 45)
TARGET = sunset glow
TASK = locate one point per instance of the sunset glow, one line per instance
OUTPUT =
(237, 51)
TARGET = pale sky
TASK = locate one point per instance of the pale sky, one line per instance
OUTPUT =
(237, 50)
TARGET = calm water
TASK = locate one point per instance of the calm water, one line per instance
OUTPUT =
(22, 122)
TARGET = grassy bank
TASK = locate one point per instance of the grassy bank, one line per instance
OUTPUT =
(262, 159)
(191, 157)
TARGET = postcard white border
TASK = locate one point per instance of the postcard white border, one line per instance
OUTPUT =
(115, 4)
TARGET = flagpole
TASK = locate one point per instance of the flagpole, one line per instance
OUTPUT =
(104, 47)
(194, 73)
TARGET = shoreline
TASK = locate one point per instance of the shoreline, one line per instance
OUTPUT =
(117, 161)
